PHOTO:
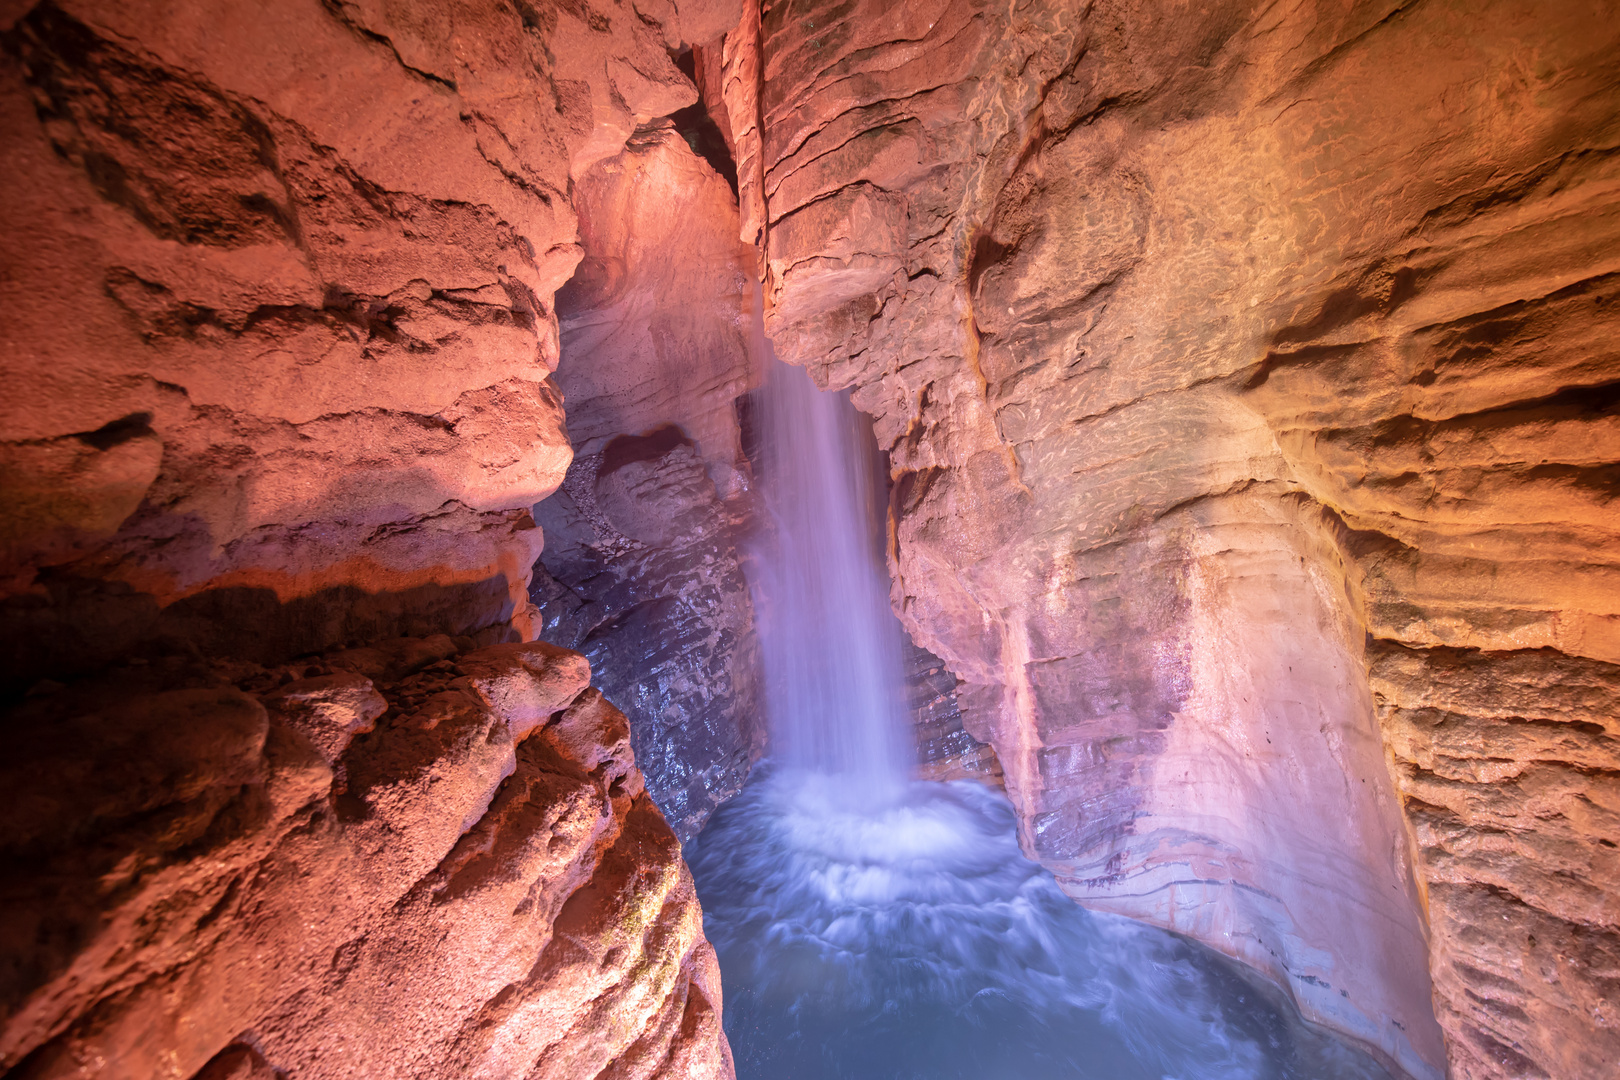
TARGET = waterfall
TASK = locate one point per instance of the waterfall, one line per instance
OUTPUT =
(831, 645)
(871, 927)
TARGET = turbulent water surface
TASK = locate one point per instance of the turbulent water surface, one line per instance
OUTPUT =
(873, 928)
(910, 938)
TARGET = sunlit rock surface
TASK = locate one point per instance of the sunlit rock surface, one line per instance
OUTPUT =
(1227, 357)
(642, 569)
(1507, 763)
(402, 860)
(654, 324)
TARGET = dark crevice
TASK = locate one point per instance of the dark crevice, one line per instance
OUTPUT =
(1378, 292)
(697, 127)
(987, 251)
(629, 449)
(513, 177)
(117, 432)
(747, 408)
(1566, 402)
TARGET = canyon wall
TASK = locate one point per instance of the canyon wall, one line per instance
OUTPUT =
(643, 566)
(1248, 378)
(282, 327)
(400, 860)
(280, 339)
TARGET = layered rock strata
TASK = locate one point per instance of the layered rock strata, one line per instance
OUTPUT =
(643, 567)
(654, 325)
(281, 327)
(641, 573)
(410, 859)
(1247, 378)
(1507, 761)
(945, 748)
(279, 341)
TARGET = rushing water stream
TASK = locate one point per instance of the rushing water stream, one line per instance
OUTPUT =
(871, 927)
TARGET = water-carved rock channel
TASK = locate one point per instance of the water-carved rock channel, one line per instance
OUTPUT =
(684, 539)
(873, 927)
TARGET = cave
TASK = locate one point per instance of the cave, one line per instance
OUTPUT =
(621, 539)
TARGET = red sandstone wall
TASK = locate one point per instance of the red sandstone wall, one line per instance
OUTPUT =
(279, 339)
(281, 327)
(404, 860)
(1248, 378)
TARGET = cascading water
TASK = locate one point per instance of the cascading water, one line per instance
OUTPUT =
(831, 645)
(875, 928)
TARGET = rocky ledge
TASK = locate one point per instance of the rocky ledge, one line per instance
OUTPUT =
(412, 859)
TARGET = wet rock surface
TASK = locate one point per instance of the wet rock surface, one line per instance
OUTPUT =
(419, 858)
(641, 574)
(945, 750)
(1208, 347)
(643, 569)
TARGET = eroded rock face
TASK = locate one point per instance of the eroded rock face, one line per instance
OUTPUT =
(641, 574)
(945, 748)
(282, 333)
(1248, 377)
(279, 343)
(1506, 762)
(643, 568)
(654, 325)
(404, 860)
(1209, 346)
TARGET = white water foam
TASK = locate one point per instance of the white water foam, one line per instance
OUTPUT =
(914, 940)
(874, 928)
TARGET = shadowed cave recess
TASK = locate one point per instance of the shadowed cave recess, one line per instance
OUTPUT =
(636, 538)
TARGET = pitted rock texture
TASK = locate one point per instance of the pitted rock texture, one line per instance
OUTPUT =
(406, 860)
(642, 569)
(641, 573)
(281, 330)
(1210, 345)
(279, 339)
(1508, 763)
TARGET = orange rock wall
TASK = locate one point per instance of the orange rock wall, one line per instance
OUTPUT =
(282, 329)
(1248, 378)
(279, 341)
(404, 860)
(655, 322)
